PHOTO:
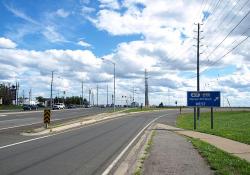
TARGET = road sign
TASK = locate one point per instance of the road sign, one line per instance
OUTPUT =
(203, 99)
(46, 116)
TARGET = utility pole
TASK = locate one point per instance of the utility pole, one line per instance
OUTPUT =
(82, 94)
(89, 96)
(107, 94)
(146, 88)
(17, 93)
(23, 97)
(30, 98)
(168, 98)
(133, 94)
(51, 89)
(97, 95)
(198, 66)
(93, 100)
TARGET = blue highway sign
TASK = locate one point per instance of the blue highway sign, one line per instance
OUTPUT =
(203, 99)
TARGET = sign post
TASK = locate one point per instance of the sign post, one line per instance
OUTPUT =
(194, 118)
(203, 99)
(212, 119)
(46, 117)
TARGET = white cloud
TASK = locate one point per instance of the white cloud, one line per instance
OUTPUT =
(52, 35)
(7, 43)
(111, 4)
(21, 14)
(84, 44)
(62, 13)
(162, 49)
(87, 10)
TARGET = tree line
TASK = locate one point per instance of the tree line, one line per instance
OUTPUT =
(74, 100)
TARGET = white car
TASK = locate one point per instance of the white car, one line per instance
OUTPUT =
(59, 106)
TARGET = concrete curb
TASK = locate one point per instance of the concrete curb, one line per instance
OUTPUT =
(74, 124)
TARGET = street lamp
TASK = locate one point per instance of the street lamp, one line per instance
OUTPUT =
(114, 76)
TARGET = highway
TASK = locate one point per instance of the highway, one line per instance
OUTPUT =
(86, 150)
(19, 119)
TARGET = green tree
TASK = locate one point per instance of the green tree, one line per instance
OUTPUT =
(40, 99)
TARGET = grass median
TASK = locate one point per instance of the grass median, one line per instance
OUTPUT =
(144, 109)
(231, 125)
(223, 163)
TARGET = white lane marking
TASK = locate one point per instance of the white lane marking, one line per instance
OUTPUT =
(10, 120)
(111, 166)
(39, 111)
(16, 126)
(3, 115)
(26, 141)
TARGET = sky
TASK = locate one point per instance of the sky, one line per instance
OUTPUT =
(73, 37)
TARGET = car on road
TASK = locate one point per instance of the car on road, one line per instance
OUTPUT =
(71, 106)
(30, 107)
(59, 106)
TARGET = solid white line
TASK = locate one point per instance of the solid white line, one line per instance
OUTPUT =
(111, 166)
(2, 115)
(17, 126)
(25, 141)
(40, 111)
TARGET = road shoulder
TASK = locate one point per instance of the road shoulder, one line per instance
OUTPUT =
(174, 154)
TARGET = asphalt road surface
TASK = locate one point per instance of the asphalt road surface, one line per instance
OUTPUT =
(86, 150)
(19, 119)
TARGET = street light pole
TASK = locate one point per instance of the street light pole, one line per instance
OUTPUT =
(114, 86)
(114, 78)
(51, 90)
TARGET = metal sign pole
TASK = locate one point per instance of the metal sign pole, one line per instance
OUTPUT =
(212, 119)
(194, 118)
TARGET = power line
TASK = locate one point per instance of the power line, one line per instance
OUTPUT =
(224, 19)
(226, 54)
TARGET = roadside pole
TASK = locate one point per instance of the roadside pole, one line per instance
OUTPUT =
(212, 118)
(194, 118)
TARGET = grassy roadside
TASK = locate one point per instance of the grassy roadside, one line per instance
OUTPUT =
(10, 107)
(145, 154)
(147, 109)
(232, 125)
(223, 163)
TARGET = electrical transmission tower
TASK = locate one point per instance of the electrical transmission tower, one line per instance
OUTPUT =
(146, 89)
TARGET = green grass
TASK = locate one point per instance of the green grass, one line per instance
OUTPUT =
(145, 154)
(10, 107)
(232, 125)
(223, 163)
(144, 109)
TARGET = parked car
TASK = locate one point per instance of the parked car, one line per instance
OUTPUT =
(59, 106)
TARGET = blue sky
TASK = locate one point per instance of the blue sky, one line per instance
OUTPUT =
(70, 36)
(73, 27)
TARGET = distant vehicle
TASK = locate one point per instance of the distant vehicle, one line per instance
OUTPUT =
(29, 107)
(71, 106)
(87, 106)
(59, 106)
(102, 106)
(40, 106)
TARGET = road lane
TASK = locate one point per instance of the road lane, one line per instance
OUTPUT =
(18, 119)
(88, 150)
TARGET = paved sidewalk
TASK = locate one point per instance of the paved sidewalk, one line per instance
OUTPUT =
(238, 149)
(172, 154)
